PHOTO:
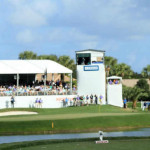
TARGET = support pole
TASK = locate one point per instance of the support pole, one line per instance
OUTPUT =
(44, 84)
(53, 76)
(45, 77)
(17, 83)
(35, 77)
(71, 83)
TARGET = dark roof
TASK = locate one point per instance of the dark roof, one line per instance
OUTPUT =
(94, 50)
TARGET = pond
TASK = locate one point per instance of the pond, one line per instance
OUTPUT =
(145, 132)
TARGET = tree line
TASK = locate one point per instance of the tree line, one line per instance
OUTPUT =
(63, 60)
(140, 92)
(113, 68)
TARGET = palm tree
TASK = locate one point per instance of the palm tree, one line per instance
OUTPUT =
(110, 61)
(27, 55)
(146, 71)
(49, 57)
(127, 92)
(67, 62)
(122, 70)
(135, 94)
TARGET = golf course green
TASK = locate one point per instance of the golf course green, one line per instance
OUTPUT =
(74, 119)
(84, 144)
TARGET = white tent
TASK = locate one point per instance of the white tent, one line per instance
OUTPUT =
(114, 77)
(31, 67)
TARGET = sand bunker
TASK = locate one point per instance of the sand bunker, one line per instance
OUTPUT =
(12, 113)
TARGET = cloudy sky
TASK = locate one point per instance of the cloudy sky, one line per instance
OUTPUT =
(61, 27)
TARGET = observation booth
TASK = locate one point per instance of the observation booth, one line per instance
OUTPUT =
(91, 73)
(18, 77)
(114, 91)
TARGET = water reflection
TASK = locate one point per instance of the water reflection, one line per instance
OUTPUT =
(21, 138)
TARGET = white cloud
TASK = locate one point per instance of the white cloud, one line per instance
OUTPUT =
(45, 7)
(28, 17)
(68, 35)
(89, 45)
(111, 18)
(25, 36)
(136, 37)
(32, 13)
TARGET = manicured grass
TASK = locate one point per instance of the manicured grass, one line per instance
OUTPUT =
(113, 145)
(73, 110)
(75, 125)
(89, 144)
(68, 113)
(74, 119)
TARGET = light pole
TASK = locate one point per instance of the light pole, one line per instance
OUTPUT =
(16, 77)
(107, 70)
(45, 78)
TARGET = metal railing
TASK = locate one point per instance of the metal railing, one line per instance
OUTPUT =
(38, 93)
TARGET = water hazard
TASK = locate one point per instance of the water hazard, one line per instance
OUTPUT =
(145, 132)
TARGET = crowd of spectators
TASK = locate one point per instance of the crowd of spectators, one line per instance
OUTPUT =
(86, 100)
(115, 81)
(38, 88)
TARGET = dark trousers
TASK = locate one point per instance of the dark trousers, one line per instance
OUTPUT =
(124, 105)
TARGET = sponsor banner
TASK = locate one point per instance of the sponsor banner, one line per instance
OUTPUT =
(63, 98)
(91, 68)
(97, 62)
(101, 142)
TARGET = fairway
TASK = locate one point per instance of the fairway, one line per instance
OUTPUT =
(73, 119)
(61, 116)
(69, 113)
(131, 144)
(113, 145)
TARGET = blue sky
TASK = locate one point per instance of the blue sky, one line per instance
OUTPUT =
(61, 27)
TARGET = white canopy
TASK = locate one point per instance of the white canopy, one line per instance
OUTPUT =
(31, 67)
(114, 77)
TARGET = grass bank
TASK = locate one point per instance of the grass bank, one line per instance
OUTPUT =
(82, 144)
(74, 119)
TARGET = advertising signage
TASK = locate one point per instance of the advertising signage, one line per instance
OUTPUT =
(91, 68)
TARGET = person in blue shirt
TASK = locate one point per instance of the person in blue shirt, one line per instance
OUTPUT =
(12, 101)
(125, 103)
(66, 101)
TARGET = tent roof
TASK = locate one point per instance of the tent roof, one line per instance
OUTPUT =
(114, 77)
(31, 67)
(92, 50)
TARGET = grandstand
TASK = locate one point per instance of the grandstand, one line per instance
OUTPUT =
(19, 78)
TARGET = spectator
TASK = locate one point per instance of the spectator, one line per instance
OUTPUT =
(100, 99)
(66, 101)
(40, 103)
(91, 99)
(96, 99)
(36, 103)
(12, 102)
(125, 103)
(144, 106)
(110, 82)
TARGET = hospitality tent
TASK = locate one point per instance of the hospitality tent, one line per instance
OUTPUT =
(20, 67)
(31, 67)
